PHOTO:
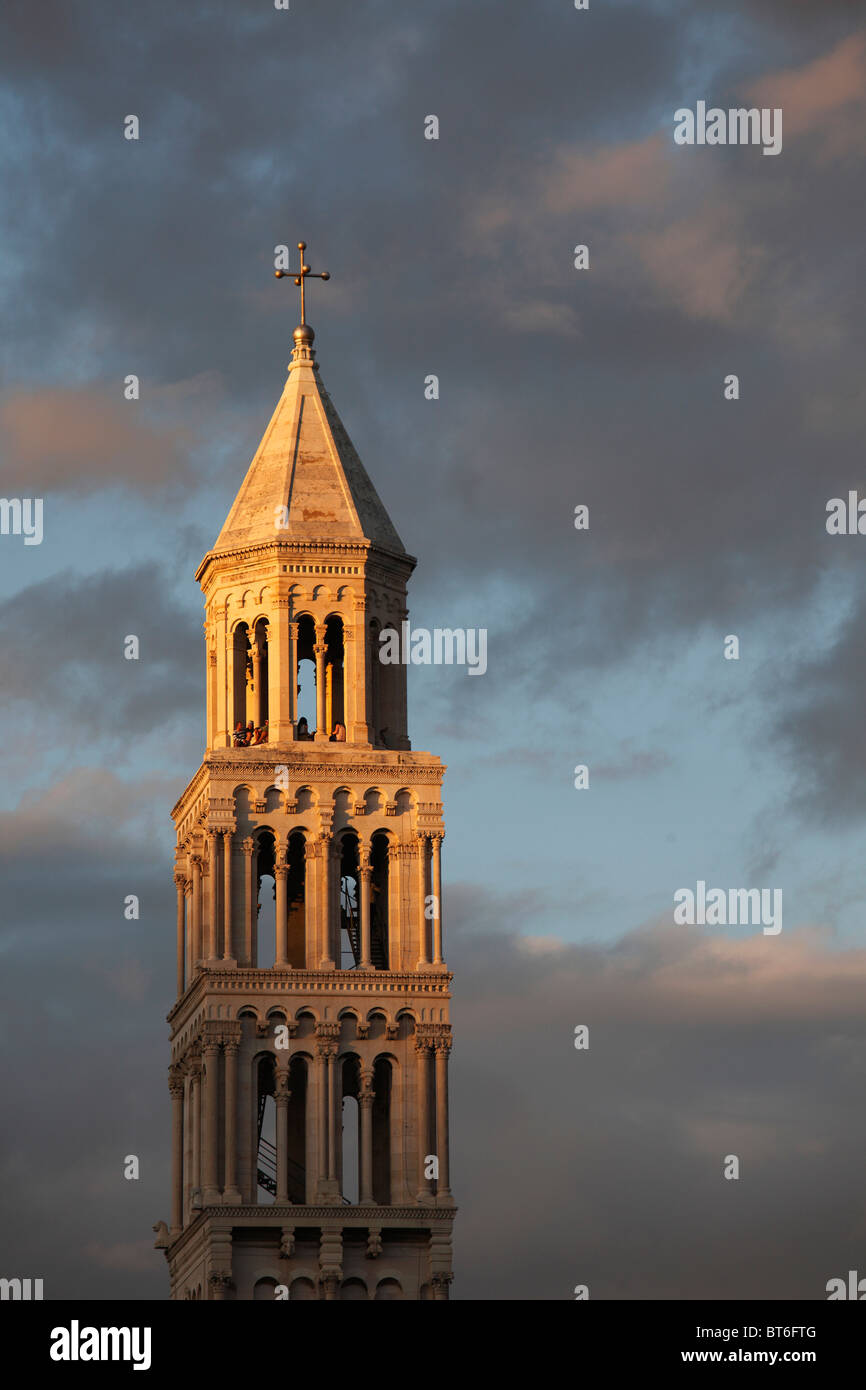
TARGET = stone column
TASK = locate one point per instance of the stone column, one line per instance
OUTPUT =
(436, 843)
(227, 895)
(319, 651)
(365, 873)
(321, 870)
(211, 1122)
(366, 1096)
(180, 884)
(321, 1117)
(332, 1115)
(175, 1086)
(211, 949)
(422, 894)
(440, 1284)
(195, 1119)
(188, 957)
(232, 1191)
(196, 909)
(350, 682)
(282, 1097)
(422, 1047)
(363, 676)
(248, 845)
(281, 871)
(442, 1050)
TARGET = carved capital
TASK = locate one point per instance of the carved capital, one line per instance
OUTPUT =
(248, 845)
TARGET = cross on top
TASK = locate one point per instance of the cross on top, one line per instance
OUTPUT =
(302, 275)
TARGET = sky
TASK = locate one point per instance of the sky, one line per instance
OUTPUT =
(558, 387)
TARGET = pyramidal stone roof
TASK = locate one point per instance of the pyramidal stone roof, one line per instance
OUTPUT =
(307, 464)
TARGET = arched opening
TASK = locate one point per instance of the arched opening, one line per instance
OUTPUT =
(335, 712)
(297, 1130)
(388, 1288)
(266, 1132)
(302, 1288)
(382, 1131)
(379, 901)
(265, 1289)
(296, 881)
(350, 903)
(354, 1289)
(259, 655)
(266, 893)
(351, 1152)
(242, 675)
(307, 672)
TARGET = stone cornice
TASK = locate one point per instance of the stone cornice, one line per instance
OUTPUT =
(349, 983)
(229, 764)
(422, 1216)
(278, 550)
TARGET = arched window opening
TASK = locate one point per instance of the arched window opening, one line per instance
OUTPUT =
(297, 1131)
(260, 675)
(382, 1131)
(296, 881)
(379, 901)
(242, 675)
(266, 1133)
(388, 1288)
(353, 1289)
(350, 904)
(266, 911)
(265, 1289)
(302, 1288)
(335, 712)
(306, 674)
(351, 1152)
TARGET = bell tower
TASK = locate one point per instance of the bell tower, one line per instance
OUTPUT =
(310, 1036)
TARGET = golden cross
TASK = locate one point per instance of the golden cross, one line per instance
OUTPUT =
(302, 276)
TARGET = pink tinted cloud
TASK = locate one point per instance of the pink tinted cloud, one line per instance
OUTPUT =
(811, 96)
(80, 439)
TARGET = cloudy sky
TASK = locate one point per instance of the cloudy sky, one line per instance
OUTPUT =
(558, 387)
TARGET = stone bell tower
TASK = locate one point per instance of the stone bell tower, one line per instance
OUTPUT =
(310, 1036)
